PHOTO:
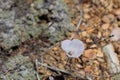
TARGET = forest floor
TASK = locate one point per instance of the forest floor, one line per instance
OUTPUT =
(99, 19)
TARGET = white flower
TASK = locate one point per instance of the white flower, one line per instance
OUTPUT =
(116, 34)
(73, 48)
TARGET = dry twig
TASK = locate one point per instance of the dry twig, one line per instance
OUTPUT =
(37, 72)
(55, 69)
(78, 25)
(60, 70)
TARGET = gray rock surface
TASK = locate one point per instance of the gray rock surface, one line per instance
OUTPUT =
(21, 20)
(19, 68)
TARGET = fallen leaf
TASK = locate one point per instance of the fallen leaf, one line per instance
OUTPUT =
(105, 26)
(117, 11)
(79, 66)
(86, 16)
(85, 34)
(108, 18)
(90, 53)
(61, 66)
(99, 52)
(63, 56)
(88, 69)
(55, 49)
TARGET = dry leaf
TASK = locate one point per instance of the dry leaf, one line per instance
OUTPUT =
(105, 26)
(108, 18)
(90, 54)
(61, 66)
(86, 16)
(85, 34)
(99, 52)
(63, 56)
(117, 11)
(55, 49)
(88, 69)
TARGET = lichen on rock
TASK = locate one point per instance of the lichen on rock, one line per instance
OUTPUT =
(23, 20)
(19, 68)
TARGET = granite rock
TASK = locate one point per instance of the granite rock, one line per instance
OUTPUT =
(21, 20)
(18, 68)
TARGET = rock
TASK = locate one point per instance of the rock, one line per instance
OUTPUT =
(113, 64)
(22, 20)
(19, 67)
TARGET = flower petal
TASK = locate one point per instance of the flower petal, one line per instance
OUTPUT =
(74, 48)
(65, 45)
(116, 34)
